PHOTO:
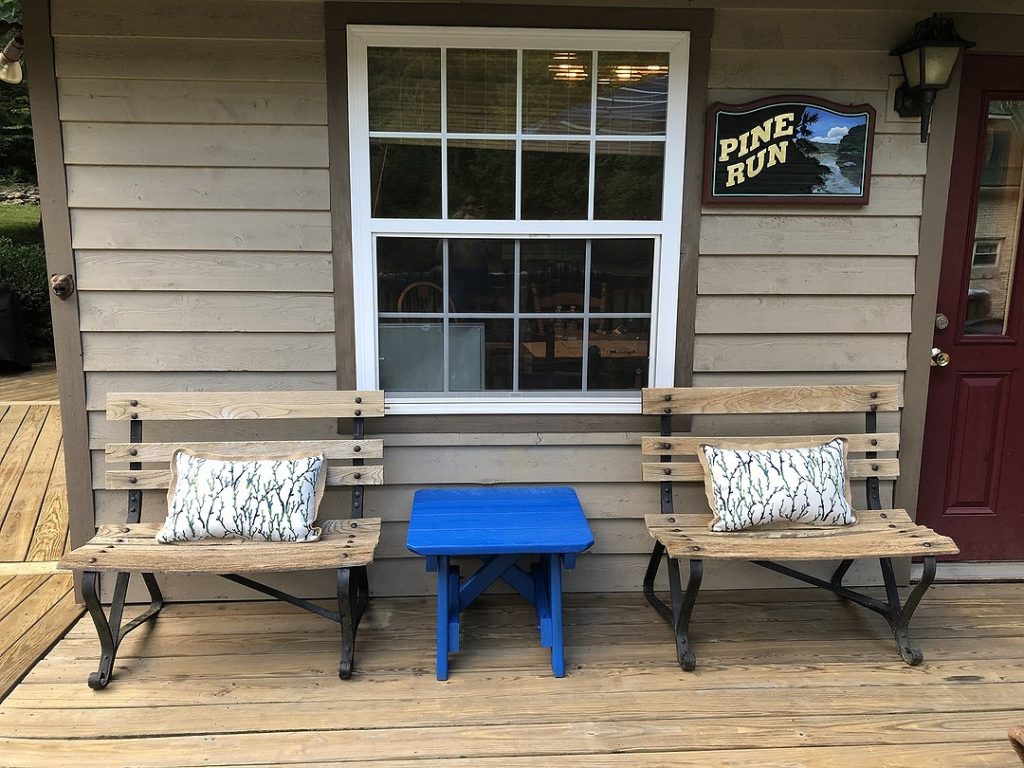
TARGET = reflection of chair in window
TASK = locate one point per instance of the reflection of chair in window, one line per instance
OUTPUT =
(422, 296)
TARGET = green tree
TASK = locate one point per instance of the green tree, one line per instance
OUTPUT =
(17, 156)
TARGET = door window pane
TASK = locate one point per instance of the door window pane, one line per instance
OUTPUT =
(404, 89)
(998, 219)
(481, 91)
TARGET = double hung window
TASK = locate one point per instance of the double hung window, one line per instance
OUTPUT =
(516, 206)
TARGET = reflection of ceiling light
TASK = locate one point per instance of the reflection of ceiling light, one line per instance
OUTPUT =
(564, 56)
(569, 72)
(630, 73)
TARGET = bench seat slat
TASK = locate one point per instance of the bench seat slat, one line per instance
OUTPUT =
(331, 449)
(692, 471)
(687, 536)
(158, 479)
(687, 445)
(132, 547)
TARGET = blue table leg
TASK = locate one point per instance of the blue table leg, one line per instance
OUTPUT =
(554, 566)
(541, 591)
(443, 608)
(454, 609)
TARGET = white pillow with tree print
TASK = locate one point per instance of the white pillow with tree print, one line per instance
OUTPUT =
(755, 486)
(272, 498)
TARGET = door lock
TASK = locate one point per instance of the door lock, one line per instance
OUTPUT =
(940, 359)
(941, 322)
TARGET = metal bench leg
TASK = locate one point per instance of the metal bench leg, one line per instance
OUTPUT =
(682, 609)
(840, 573)
(900, 615)
(653, 565)
(109, 630)
(353, 597)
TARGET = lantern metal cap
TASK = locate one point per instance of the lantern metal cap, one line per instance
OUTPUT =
(935, 30)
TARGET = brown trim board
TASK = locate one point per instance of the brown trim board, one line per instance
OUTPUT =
(339, 14)
(49, 147)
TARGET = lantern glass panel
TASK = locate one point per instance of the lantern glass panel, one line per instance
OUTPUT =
(938, 64)
(911, 63)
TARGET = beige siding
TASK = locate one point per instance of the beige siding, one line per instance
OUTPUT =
(197, 169)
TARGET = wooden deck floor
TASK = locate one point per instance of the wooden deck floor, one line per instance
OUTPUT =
(805, 682)
(36, 604)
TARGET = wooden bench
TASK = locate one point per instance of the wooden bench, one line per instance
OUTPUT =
(346, 545)
(879, 533)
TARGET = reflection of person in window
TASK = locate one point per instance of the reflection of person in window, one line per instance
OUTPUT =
(469, 279)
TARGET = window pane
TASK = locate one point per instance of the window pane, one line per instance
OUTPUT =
(481, 275)
(411, 355)
(628, 179)
(618, 353)
(405, 178)
(632, 93)
(480, 355)
(997, 223)
(555, 179)
(481, 179)
(552, 275)
(409, 277)
(404, 89)
(481, 91)
(621, 275)
(550, 354)
(556, 92)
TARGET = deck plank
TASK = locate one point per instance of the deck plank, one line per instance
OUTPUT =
(785, 678)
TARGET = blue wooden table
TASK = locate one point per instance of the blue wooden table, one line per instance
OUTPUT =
(499, 525)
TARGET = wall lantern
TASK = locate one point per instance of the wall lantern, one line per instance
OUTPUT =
(927, 60)
(10, 57)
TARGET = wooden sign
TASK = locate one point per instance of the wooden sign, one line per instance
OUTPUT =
(788, 149)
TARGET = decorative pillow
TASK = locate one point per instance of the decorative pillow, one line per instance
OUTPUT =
(751, 487)
(272, 498)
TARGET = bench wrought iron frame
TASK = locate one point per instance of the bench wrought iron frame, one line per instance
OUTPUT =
(898, 614)
(353, 587)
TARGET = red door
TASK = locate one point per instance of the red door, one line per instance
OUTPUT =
(972, 474)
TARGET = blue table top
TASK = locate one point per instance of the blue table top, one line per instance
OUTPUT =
(499, 520)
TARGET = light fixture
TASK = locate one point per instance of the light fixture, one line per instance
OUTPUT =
(10, 57)
(927, 60)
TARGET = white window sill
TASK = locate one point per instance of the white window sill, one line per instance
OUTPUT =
(422, 406)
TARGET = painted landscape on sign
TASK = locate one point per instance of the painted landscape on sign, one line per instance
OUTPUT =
(789, 150)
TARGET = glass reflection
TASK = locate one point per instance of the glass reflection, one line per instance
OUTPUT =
(617, 353)
(404, 89)
(555, 179)
(628, 180)
(632, 93)
(480, 355)
(409, 277)
(481, 179)
(622, 274)
(405, 178)
(551, 354)
(480, 274)
(411, 355)
(556, 92)
(481, 91)
(552, 277)
(998, 221)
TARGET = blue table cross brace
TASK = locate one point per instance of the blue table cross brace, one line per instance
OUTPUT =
(499, 526)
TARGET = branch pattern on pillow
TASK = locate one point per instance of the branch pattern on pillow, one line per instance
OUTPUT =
(747, 488)
(266, 499)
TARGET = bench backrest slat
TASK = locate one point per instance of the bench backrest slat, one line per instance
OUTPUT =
(157, 479)
(858, 442)
(331, 449)
(191, 406)
(692, 471)
(759, 400)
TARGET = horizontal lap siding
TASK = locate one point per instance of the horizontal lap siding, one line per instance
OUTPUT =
(195, 138)
(812, 294)
(197, 169)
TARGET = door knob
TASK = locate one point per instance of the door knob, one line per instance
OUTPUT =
(939, 358)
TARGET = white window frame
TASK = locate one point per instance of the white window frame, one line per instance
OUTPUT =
(666, 233)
